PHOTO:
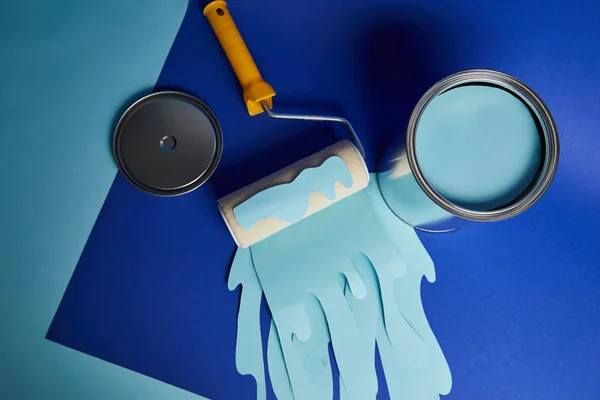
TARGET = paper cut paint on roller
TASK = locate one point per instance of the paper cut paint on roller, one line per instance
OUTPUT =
(349, 275)
(290, 202)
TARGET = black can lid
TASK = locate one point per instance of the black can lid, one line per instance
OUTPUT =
(168, 143)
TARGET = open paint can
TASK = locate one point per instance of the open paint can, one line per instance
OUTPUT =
(480, 146)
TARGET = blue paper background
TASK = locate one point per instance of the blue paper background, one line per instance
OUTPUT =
(516, 306)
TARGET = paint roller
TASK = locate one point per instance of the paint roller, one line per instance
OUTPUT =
(287, 196)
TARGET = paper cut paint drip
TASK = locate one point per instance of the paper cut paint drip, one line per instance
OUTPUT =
(406, 198)
(349, 275)
(290, 202)
(248, 355)
(277, 368)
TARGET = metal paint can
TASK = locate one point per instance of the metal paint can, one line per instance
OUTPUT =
(168, 143)
(420, 205)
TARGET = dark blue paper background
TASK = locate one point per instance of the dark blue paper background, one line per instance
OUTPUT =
(516, 307)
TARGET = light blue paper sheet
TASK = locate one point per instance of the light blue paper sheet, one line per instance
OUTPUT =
(68, 68)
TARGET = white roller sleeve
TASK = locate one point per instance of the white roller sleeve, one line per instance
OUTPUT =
(312, 202)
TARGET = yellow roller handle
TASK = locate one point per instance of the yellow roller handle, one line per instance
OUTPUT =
(255, 88)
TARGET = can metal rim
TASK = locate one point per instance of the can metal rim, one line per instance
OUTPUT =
(550, 145)
(173, 95)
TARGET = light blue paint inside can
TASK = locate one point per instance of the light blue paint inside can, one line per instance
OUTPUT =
(478, 146)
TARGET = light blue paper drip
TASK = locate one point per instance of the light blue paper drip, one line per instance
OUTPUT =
(408, 200)
(248, 355)
(277, 368)
(314, 352)
(367, 310)
(351, 275)
(289, 202)
(430, 377)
